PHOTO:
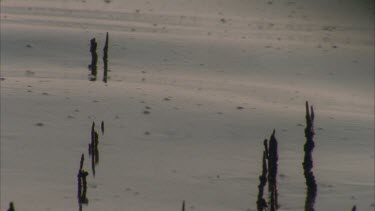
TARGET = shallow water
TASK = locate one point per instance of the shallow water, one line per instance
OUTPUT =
(185, 111)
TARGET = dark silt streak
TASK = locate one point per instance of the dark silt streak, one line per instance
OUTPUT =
(308, 161)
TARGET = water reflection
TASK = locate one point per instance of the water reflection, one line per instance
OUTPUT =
(94, 59)
(102, 127)
(269, 173)
(261, 202)
(93, 148)
(308, 161)
(11, 206)
(272, 172)
(105, 59)
(82, 184)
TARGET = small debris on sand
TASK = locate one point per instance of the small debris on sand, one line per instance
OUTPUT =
(29, 73)
(282, 176)
(146, 112)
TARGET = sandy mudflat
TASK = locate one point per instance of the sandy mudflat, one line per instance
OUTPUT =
(194, 88)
